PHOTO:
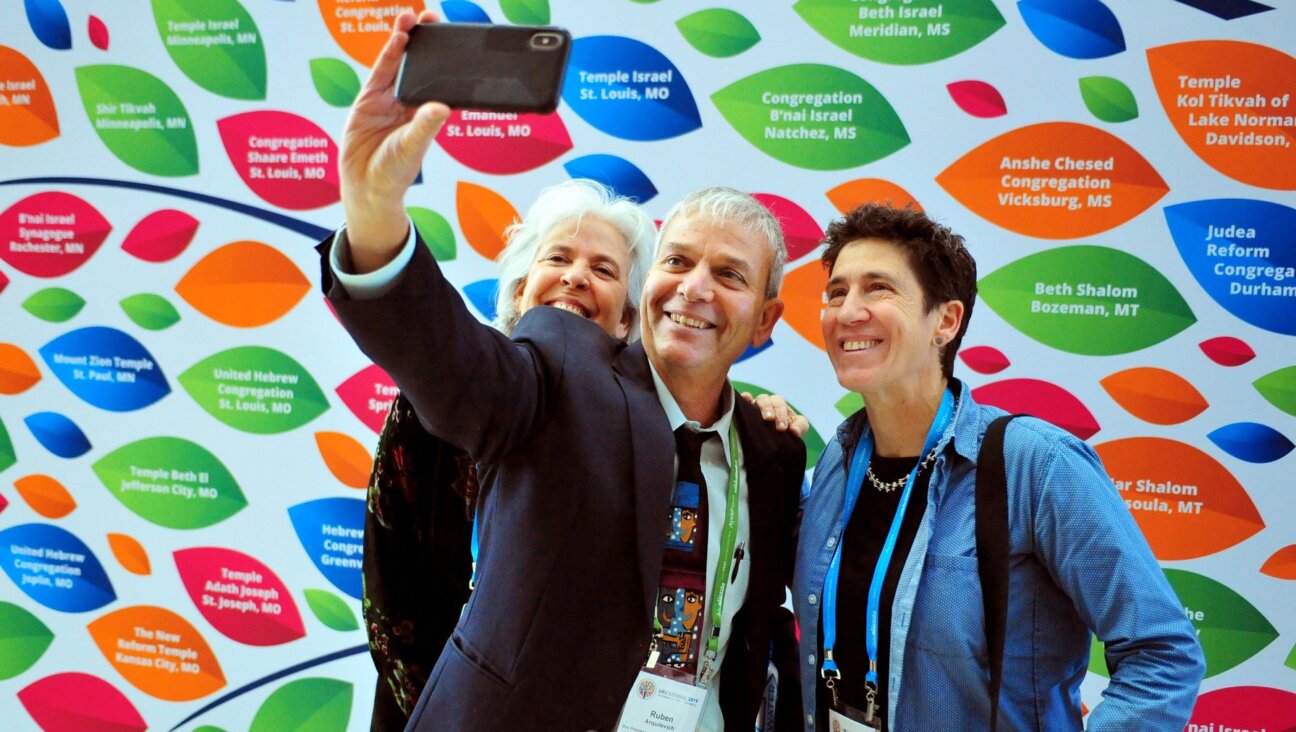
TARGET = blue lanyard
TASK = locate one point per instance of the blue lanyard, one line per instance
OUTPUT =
(854, 484)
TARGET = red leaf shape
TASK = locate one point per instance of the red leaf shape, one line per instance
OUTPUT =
(1282, 564)
(977, 98)
(146, 644)
(1155, 395)
(241, 597)
(18, 372)
(37, 120)
(1244, 708)
(1049, 402)
(50, 234)
(4, 281)
(847, 196)
(4, 503)
(508, 143)
(1227, 351)
(369, 395)
(46, 496)
(98, 33)
(74, 702)
(483, 217)
(161, 236)
(130, 554)
(258, 145)
(984, 359)
(800, 231)
(244, 284)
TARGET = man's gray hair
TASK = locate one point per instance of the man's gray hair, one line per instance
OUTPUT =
(723, 206)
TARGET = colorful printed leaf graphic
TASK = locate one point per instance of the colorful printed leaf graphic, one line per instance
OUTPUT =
(847, 196)
(649, 101)
(1227, 9)
(360, 41)
(54, 304)
(1282, 564)
(984, 359)
(483, 216)
(139, 118)
(1108, 99)
(29, 118)
(1279, 389)
(216, 44)
(51, 233)
(331, 530)
(977, 98)
(171, 482)
(45, 495)
(849, 404)
(150, 311)
(345, 458)
(17, 370)
(877, 34)
(813, 441)
(1186, 503)
(23, 640)
(1074, 28)
(242, 598)
(1226, 127)
(161, 236)
(513, 144)
(526, 12)
(436, 232)
(481, 295)
(130, 554)
(4, 281)
(7, 455)
(58, 434)
(1155, 395)
(4, 503)
(1230, 629)
(1090, 300)
(619, 174)
(98, 32)
(75, 702)
(49, 22)
(255, 389)
(285, 159)
(1054, 180)
(718, 32)
(464, 11)
(318, 705)
(1244, 707)
(800, 231)
(369, 394)
(1227, 350)
(54, 568)
(158, 652)
(335, 81)
(1252, 442)
(755, 350)
(107, 368)
(803, 298)
(244, 284)
(331, 610)
(813, 116)
(1042, 399)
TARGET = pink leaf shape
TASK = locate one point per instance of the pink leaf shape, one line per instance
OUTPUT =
(258, 145)
(98, 33)
(4, 503)
(50, 234)
(1244, 708)
(1227, 351)
(4, 281)
(977, 98)
(984, 359)
(1049, 402)
(161, 236)
(74, 702)
(799, 228)
(518, 143)
(369, 394)
(241, 597)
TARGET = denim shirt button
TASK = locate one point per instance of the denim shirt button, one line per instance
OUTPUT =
(811, 658)
(813, 598)
(832, 542)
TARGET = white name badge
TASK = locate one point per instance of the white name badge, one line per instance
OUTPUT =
(658, 704)
(838, 722)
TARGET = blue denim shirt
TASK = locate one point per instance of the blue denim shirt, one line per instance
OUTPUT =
(1078, 563)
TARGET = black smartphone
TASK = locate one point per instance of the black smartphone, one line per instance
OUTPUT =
(503, 68)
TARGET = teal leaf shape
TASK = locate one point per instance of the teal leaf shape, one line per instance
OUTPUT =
(331, 610)
(7, 455)
(306, 705)
(915, 32)
(1230, 628)
(139, 119)
(1279, 389)
(54, 304)
(1090, 300)
(814, 442)
(171, 482)
(216, 44)
(813, 116)
(23, 640)
(149, 311)
(255, 389)
(526, 12)
(436, 232)
(335, 80)
(1108, 99)
(718, 32)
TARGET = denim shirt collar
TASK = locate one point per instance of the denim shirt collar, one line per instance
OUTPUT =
(965, 428)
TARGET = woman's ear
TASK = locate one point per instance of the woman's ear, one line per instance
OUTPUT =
(948, 319)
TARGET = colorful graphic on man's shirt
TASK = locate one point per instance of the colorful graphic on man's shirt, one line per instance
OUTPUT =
(683, 532)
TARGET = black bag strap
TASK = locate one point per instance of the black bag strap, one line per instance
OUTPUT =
(992, 549)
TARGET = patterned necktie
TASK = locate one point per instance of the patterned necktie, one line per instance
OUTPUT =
(681, 600)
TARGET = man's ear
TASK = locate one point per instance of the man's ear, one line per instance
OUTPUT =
(771, 311)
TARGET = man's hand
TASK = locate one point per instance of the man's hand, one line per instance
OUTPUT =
(382, 149)
(774, 408)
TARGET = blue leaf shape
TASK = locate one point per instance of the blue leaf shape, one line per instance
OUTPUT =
(58, 434)
(616, 173)
(49, 21)
(1074, 28)
(1251, 441)
(331, 530)
(752, 350)
(482, 296)
(106, 368)
(1229, 246)
(55, 568)
(1227, 9)
(628, 89)
(462, 11)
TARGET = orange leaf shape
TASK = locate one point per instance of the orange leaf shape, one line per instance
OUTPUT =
(483, 217)
(853, 193)
(345, 457)
(803, 290)
(158, 652)
(1155, 395)
(1232, 103)
(360, 35)
(244, 284)
(46, 496)
(29, 118)
(1056, 180)
(130, 554)
(1186, 503)
(1282, 564)
(17, 370)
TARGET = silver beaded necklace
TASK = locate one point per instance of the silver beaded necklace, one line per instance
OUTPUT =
(898, 482)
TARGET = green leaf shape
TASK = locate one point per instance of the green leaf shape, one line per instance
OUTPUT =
(7, 455)
(331, 610)
(1230, 629)
(23, 640)
(1108, 99)
(255, 389)
(813, 441)
(150, 311)
(171, 482)
(818, 117)
(1279, 389)
(1098, 658)
(335, 80)
(1291, 659)
(139, 119)
(313, 704)
(914, 38)
(849, 404)
(1090, 300)
(436, 232)
(54, 304)
(216, 44)
(718, 32)
(208, 728)
(526, 12)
